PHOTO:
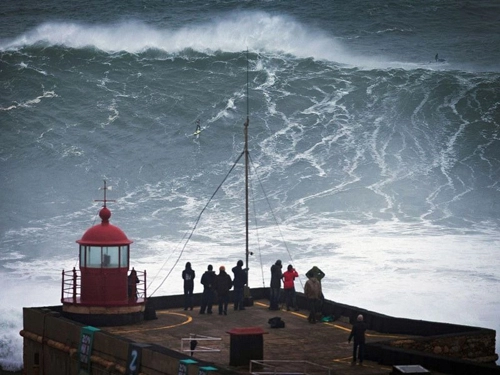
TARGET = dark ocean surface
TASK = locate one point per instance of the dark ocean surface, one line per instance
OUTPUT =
(369, 158)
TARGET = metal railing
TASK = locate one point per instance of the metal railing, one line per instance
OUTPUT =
(72, 280)
(71, 285)
(194, 340)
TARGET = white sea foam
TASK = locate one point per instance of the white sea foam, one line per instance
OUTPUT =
(31, 102)
(370, 266)
(233, 32)
(16, 295)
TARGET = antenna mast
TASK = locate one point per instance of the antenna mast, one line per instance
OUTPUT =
(105, 188)
(246, 173)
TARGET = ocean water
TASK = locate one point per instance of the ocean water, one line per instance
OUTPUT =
(369, 158)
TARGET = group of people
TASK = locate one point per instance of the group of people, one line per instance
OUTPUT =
(288, 278)
(312, 288)
(216, 287)
(314, 294)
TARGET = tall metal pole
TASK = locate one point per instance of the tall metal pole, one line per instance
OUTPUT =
(246, 175)
(246, 189)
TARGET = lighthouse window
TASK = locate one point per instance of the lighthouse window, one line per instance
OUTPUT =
(82, 255)
(104, 256)
(124, 256)
(94, 257)
(110, 256)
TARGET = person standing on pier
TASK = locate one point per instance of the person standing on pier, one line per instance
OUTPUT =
(289, 286)
(313, 293)
(133, 280)
(318, 274)
(358, 333)
(274, 292)
(239, 282)
(188, 277)
(223, 284)
(207, 298)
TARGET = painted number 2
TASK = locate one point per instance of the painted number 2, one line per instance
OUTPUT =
(133, 361)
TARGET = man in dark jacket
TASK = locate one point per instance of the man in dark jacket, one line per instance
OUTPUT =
(207, 298)
(274, 292)
(239, 282)
(358, 333)
(223, 283)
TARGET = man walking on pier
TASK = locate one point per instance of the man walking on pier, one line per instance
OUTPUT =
(358, 333)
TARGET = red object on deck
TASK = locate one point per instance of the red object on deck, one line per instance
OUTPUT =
(245, 331)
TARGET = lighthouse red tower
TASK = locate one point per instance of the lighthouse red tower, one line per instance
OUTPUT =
(102, 293)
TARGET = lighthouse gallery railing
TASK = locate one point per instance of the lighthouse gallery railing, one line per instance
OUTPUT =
(71, 287)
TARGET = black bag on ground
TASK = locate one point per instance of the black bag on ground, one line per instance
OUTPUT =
(276, 322)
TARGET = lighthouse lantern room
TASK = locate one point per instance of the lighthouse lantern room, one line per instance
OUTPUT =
(102, 292)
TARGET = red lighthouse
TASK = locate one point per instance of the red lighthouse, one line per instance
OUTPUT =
(102, 292)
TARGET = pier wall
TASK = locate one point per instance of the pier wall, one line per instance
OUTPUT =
(51, 346)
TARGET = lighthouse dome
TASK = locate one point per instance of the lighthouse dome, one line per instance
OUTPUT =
(104, 234)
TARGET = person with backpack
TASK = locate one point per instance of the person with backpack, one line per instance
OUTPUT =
(188, 277)
(223, 284)
(207, 298)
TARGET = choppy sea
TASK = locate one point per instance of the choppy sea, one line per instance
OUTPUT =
(374, 143)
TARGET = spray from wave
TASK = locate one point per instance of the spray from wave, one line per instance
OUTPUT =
(232, 32)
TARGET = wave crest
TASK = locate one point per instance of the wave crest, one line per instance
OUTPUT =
(233, 32)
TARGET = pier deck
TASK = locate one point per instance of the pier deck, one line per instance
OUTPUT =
(323, 343)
